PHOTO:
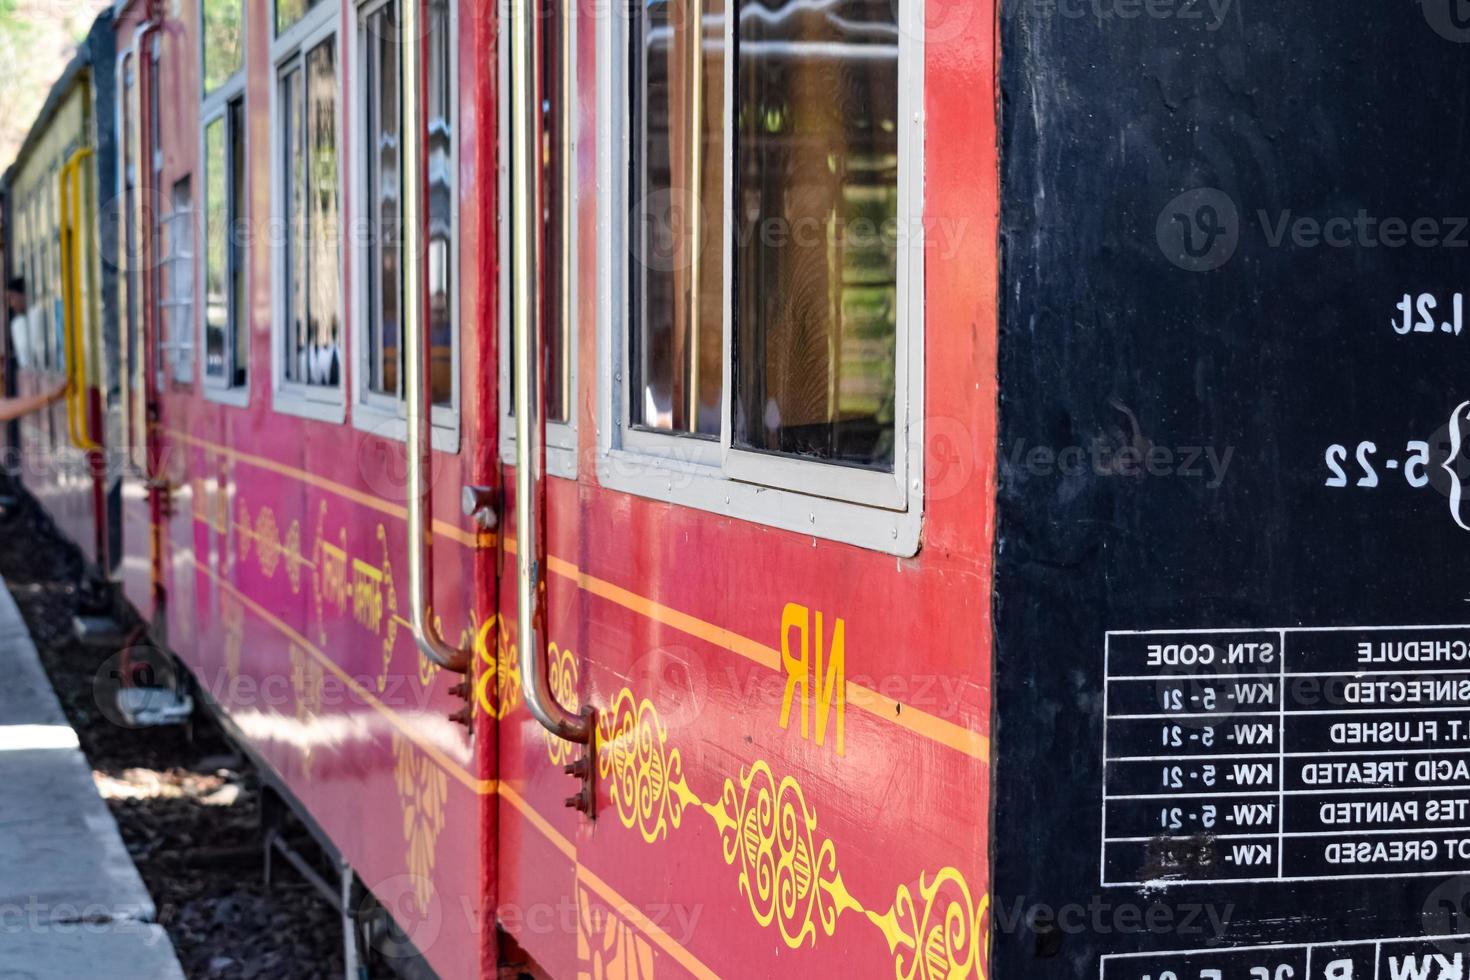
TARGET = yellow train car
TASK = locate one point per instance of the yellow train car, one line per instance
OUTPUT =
(58, 257)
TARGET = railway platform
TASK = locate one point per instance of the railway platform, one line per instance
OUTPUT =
(71, 901)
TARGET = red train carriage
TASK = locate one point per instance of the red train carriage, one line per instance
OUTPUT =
(66, 323)
(551, 443)
(564, 443)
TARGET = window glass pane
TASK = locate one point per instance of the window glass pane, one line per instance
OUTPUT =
(384, 266)
(135, 415)
(53, 279)
(816, 205)
(678, 109)
(294, 168)
(239, 305)
(178, 261)
(313, 289)
(556, 264)
(224, 50)
(216, 234)
(289, 12)
(324, 274)
(439, 276)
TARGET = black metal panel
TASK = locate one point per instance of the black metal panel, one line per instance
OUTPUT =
(1179, 350)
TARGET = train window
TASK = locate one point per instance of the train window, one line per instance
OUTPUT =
(224, 41)
(379, 168)
(226, 309)
(309, 315)
(439, 280)
(135, 419)
(216, 252)
(53, 271)
(816, 262)
(382, 163)
(177, 257)
(239, 236)
(774, 362)
(677, 344)
(558, 265)
(290, 12)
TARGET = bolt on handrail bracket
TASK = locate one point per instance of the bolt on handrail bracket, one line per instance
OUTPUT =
(418, 397)
(524, 110)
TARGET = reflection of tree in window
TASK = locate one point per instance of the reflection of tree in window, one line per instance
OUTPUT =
(385, 271)
(238, 232)
(313, 291)
(322, 365)
(295, 170)
(289, 12)
(223, 50)
(440, 277)
(383, 80)
(215, 249)
(816, 202)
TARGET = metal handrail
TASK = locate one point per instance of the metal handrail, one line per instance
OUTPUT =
(68, 246)
(72, 315)
(417, 395)
(524, 167)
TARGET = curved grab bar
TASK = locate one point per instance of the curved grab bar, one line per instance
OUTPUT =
(417, 395)
(79, 314)
(524, 108)
(65, 225)
(70, 198)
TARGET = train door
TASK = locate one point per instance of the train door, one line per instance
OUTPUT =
(140, 557)
(749, 320)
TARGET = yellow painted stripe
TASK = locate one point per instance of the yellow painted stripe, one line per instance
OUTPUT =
(943, 731)
(481, 539)
(626, 909)
(481, 786)
(635, 917)
(535, 819)
(929, 726)
(669, 616)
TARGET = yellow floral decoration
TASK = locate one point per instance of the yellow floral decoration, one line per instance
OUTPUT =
(422, 790)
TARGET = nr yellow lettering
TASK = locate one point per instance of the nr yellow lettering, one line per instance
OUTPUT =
(830, 681)
(794, 617)
(826, 678)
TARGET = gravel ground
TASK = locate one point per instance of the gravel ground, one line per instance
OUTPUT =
(187, 804)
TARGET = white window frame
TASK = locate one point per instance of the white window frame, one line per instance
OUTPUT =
(216, 106)
(878, 511)
(289, 49)
(384, 415)
(561, 437)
